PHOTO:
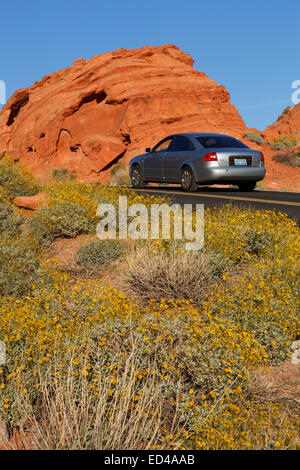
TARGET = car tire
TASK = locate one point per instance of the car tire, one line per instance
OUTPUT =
(246, 187)
(137, 179)
(187, 180)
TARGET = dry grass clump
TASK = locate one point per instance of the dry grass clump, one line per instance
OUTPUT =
(254, 137)
(173, 274)
(67, 415)
(288, 158)
(119, 174)
(62, 174)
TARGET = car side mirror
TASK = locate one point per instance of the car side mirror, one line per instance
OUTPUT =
(148, 149)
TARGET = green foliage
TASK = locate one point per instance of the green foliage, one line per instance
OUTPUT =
(61, 219)
(257, 242)
(20, 267)
(10, 221)
(95, 255)
(254, 137)
(284, 142)
(15, 180)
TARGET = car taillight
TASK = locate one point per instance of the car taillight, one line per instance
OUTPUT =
(210, 157)
(262, 158)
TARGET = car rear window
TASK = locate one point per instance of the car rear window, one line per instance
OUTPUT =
(220, 141)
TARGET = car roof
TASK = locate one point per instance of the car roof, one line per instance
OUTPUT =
(198, 134)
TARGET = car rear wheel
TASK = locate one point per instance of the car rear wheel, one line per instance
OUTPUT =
(137, 180)
(249, 186)
(187, 180)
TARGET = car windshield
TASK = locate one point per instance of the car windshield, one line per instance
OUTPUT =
(220, 141)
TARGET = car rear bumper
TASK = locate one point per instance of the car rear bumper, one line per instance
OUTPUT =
(231, 175)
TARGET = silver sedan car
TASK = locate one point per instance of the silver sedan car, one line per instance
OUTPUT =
(193, 159)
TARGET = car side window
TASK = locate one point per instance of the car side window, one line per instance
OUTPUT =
(181, 143)
(162, 146)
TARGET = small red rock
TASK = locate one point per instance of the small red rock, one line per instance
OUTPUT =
(31, 202)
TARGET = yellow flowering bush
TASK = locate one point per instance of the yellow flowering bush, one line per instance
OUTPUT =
(284, 142)
(69, 332)
(90, 195)
(11, 222)
(89, 367)
(251, 424)
(71, 208)
(15, 180)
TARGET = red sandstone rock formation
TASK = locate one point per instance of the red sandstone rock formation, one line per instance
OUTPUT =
(109, 108)
(288, 123)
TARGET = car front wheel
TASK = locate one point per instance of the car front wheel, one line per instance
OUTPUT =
(137, 180)
(187, 180)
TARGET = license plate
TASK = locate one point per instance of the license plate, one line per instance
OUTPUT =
(240, 161)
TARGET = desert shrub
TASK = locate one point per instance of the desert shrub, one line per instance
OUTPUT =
(119, 174)
(91, 343)
(287, 158)
(250, 424)
(95, 255)
(62, 174)
(61, 219)
(106, 420)
(15, 180)
(265, 302)
(166, 375)
(283, 142)
(257, 242)
(226, 228)
(10, 221)
(254, 137)
(3, 195)
(90, 195)
(72, 208)
(89, 368)
(169, 275)
(19, 267)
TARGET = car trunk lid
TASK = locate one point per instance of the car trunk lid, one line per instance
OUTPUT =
(238, 157)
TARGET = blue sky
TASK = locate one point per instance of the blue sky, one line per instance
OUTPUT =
(251, 47)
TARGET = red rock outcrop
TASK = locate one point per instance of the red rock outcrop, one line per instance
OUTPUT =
(31, 202)
(109, 108)
(278, 176)
(288, 123)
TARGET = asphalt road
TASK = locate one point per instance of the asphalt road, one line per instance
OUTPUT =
(287, 202)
